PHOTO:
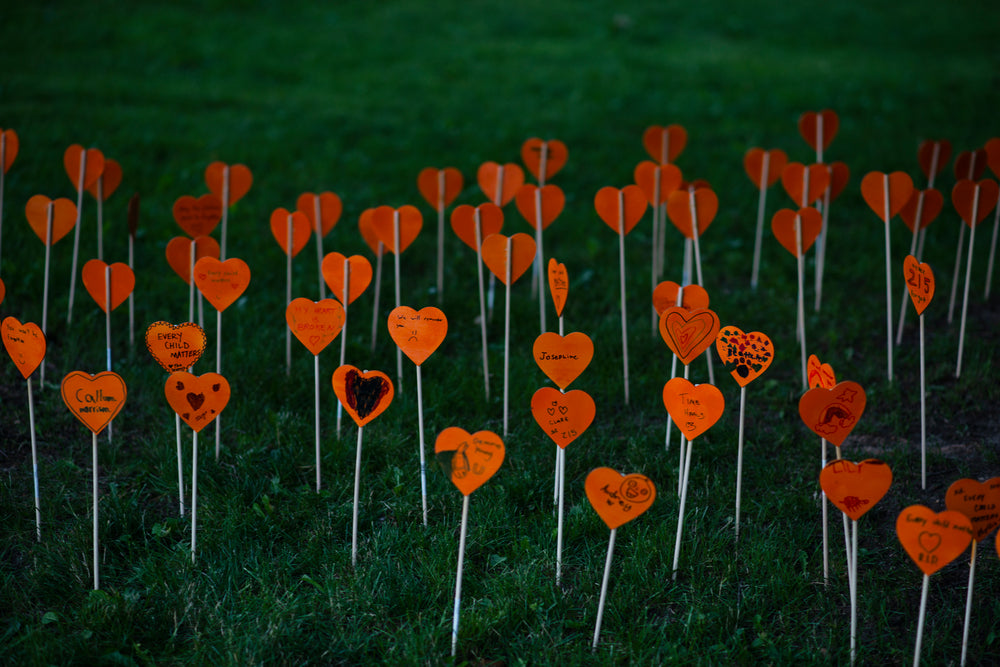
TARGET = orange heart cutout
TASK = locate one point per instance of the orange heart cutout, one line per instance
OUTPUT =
(558, 284)
(664, 144)
(744, 355)
(620, 209)
(979, 501)
(679, 206)
(833, 413)
(925, 156)
(694, 407)
(873, 189)
(855, 488)
(175, 347)
(555, 153)
(368, 232)
(563, 358)
(109, 180)
(92, 170)
(198, 217)
(933, 539)
(364, 395)
(517, 251)
(359, 275)
(688, 333)
(94, 399)
(809, 127)
(793, 178)
(315, 323)
(221, 282)
(301, 230)
(499, 183)
(810, 225)
(326, 205)
(764, 167)
(970, 165)
(25, 343)
(992, 149)
(95, 279)
(968, 196)
(548, 200)
(418, 333)
(840, 174)
(63, 216)
(179, 253)
(468, 460)
(820, 375)
(563, 417)
(464, 219)
(439, 187)
(647, 174)
(384, 221)
(240, 180)
(197, 399)
(618, 498)
(929, 202)
(693, 297)
(919, 280)
(9, 145)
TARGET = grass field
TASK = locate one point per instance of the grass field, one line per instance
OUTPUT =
(357, 98)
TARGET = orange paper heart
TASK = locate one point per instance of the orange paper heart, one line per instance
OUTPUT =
(197, 399)
(972, 199)
(810, 225)
(688, 333)
(563, 417)
(109, 180)
(794, 179)
(198, 217)
(239, 176)
(95, 279)
(929, 202)
(94, 399)
(970, 165)
(364, 395)
(25, 343)
(285, 224)
(693, 297)
(9, 146)
(833, 413)
(465, 218)
(358, 275)
(499, 183)
(744, 355)
(693, 407)
(979, 501)
(839, 175)
(919, 280)
(679, 210)
(992, 149)
(368, 232)
(326, 206)
(764, 167)
(620, 209)
(516, 253)
(933, 539)
(563, 358)
(91, 161)
(874, 190)
(179, 253)
(650, 175)
(439, 186)
(221, 282)
(315, 323)
(547, 200)
(555, 155)
(384, 220)
(175, 347)
(558, 284)
(664, 144)
(820, 375)
(618, 498)
(855, 488)
(469, 460)
(810, 123)
(926, 156)
(418, 333)
(63, 216)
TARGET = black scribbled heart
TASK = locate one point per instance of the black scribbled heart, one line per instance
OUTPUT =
(195, 400)
(364, 394)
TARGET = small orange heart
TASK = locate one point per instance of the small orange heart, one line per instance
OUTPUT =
(547, 200)
(94, 399)
(91, 161)
(500, 183)
(933, 539)
(618, 498)
(221, 282)
(833, 413)
(197, 399)
(109, 180)
(175, 347)
(693, 297)
(926, 157)
(810, 124)
(315, 323)
(679, 210)
(384, 222)
(810, 225)
(855, 488)
(620, 209)
(764, 167)
(368, 232)
(563, 358)
(179, 253)
(326, 206)
(695, 408)
(664, 144)
(418, 333)
(25, 343)
(648, 175)
(239, 176)
(464, 220)
(563, 416)
(919, 280)
(356, 270)
(469, 460)
(820, 375)
(979, 501)
(744, 355)
(514, 254)
(285, 224)
(970, 165)
(96, 276)
(554, 151)
(558, 284)
(439, 187)
(8, 146)
(840, 174)
(63, 213)
(198, 217)
(992, 149)
(972, 199)
(929, 202)
(876, 186)
(688, 333)
(794, 179)
(364, 395)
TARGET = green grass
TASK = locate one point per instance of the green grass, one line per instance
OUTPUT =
(357, 98)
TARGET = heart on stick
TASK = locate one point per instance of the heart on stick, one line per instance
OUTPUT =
(315, 323)
(463, 222)
(499, 183)
(359, 275)
(418, 333)
(929, 202)
(384, 222)
(647, 174)
(809, 123)
(933, 539)
(563, 417)
(329, 206)
(368, 232)
(551, 203)
(175, 347)
(693, 297)
(10, 143)
(833, 413)
(563, 358)
(693, 407)
(94, 399)
(221, 282)
(179, 253)
(301, 230)
(72, 158)
(558, 284)
(556, 155)
(793, 178)
(109, 179)
(968, 196)
(518, 250)
(618, 498)
(873, 189)
(63, 216)
(979, 501)
(840, 174)
(679, 204)
(439, 187)
(810, 225)
(664, 144)
(197, 399)
(855, 488)
(240, 180)
(198, 217)
(970, 165)
(364, 395)
(469, 460)
(919, 279)
(744, 355)
(925, 156)
(25, 343)
(753, 164)
(688, 333)
(620, 209)
(95, 279)
(819, 374)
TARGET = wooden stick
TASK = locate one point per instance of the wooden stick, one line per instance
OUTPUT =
(45, 290)
(604, 588)
(316, 378)
(888, 275)
(180, 463)
(621, 264)
(968, 603)
(993, 250)
(288, 294)
(378, 290)
(107, 322)
(694, 238)
(663, 240)
(800, 268)
(968, 280)
(758, 236)
(395, 256)
(506, 339)
(538, 258)
(76, 233)
(923, 410)
(853, 584)
(680, 514)
(97, 575)
(100, 217)
(3, 174)
(561, 463)
(317, 216)
(458, 575)
(131, 295)
(826, 522)
(218, 369)
(194, 495)
(482, 300)
(225, 210)
(440, 266)
(423, 459)
(357, 487)
(913, 250)
(673, 374)
(654, 268)
(343, 332)
(536, 266)
(34, 453)
(739, 458)
(191, 260)
(920, 620)
(821, 245)
(819, 137)
(958, 266)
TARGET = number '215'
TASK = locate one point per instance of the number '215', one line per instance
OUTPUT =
(918, 280)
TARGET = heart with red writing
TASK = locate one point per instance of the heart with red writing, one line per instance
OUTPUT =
(810, 123)
(418, 333)
(552, 154)
(933, 539)
(315, 323)
(833, 413)
(469, 460)
(364, 395)
(198, 217)
(239, 181)
(563, 358)
(179, 253)
(664, 144)
(96, 277)
(764, 167)
(855, 488)
(876, 186)
(620, 209)
(25, 343)
(805, 184)
(979, 501)
(547, 201)
(355, 272)
(175, 347)
(810, 223)
(819, 374)
(563, 416)
(703, 204)
(688, 333)
(221, 282)
(618, 498)
(94, 399)
(919, 279)
(558, 284)
(695, 408)
(744, 355)
(657, 180)
(465, 219)
(325, 207)
(514, 253)
(89, 162)
(439, 187)
(63, 213)
(692, 297)
(499, 182)
(197, 399)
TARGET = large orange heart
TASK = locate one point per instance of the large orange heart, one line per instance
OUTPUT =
(688, 333)
(516, 253)
(650, 175)
(469, 460)
(9, 146)
(465, 218)
(933, 539)
(179, 253)
(555, 155)
(855, 488)
(931, 164)
(547, 200)
(94, 399)
(326, 206)
(679, 209)
(810, 225)
(979, 501)
(91, 161)
(563, 417)
(840, 173)
(664, 144)
(970, 165)
(744, 355)
(197, 399)
(972, 199)
(618, 498)
(239, 176)
(315, 323)
(62, 210)
(109, 180)
(25, 343)
(221, 282)
(384, 222)
(439, 186)
(364, 395)
(558, 284)
(693, 297)
(919, 280)
(810, 123)
(620, 209)
(198, 217)
(499, 183)
(764, 167)
(794, 179)
(95, 279)
(418, 333)
(992, 149)
(693, 407)
(175, 347)
(563, 358)
(877, 185)
(356, 270)
(833, 413)
(285, 224)
(929, 202)
(820, 375)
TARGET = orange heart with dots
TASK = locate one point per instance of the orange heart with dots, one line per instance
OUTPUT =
(198, 216)
(563, 358)
(688, 333)
(63, 217)
(927, 158)
(794, 179)
(933, 539)
(876, 186)
(764, 168)
(356, 270)
(705, 205)
(664, 144)
(25, 343)
(558, 284)
(649, 176)
(285, 224)
(9, 144)
(221, 283)
(547, 200)
(855, 488)
(563, 416)
(439, 187)
(552, 153)
(109, 180)
(91, 161)
(178, 253)
(468, 459)
(94, 399)
(693, 297)
(96, 275)
(810, 223)
(620, 209)
(175, 347)
(744, 354)
(499, 182)
(925, 203)
(489, 218)
(197, 399)
(418, 333)
(833, 413)
(364, 395)
(979, 501)
(618, 498)
(514, 253)
(315, 323)
(240, 180)
(812, 124)
(384, 219)
(820, 374)
(695, 408)
(974, 200)
(919, 279)
(325, 206)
